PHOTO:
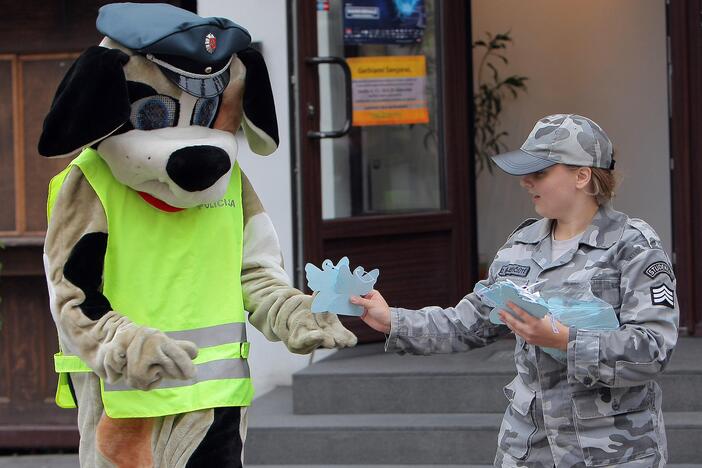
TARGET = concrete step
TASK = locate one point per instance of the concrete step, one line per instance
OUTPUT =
(277, 436)
(365, 379)
(378, 466)
(39, 461)
(71, 461)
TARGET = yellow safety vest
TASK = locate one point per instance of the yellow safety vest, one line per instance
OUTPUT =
(179, 272)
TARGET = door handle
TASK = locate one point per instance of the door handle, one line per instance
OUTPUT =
(316, 61)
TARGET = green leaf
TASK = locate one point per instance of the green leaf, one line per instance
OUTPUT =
(495, 74)
(489, 98)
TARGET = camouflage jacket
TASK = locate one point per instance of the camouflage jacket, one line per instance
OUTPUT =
(602, 406)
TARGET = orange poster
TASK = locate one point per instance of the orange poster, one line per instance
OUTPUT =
(389, 90)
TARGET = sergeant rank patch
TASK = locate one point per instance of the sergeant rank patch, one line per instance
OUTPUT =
(662, 295)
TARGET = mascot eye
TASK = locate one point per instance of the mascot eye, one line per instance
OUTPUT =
(205, 110)
(154, 112)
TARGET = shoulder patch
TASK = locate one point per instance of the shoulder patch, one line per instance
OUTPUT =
(525, 223)
(647, 231)
(663, 295)
(657, 268)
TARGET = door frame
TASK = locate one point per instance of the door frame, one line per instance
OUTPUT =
(459, 214)
(685, 106)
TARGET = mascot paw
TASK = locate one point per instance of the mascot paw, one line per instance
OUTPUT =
(147, 356)
(309, 331)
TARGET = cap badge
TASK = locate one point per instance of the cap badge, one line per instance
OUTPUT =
(210, 43)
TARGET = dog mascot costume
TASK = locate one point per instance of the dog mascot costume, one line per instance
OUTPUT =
(157, 244)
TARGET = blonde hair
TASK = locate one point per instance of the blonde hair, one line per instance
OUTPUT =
(604, 184)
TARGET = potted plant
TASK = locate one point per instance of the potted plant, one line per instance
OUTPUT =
(491, 91)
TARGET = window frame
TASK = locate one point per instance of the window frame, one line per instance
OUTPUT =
(21, 235)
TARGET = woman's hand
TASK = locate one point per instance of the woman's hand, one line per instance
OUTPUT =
(376, 312)
(539, 332)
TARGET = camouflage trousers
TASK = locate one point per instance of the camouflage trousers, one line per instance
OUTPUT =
(535, 451)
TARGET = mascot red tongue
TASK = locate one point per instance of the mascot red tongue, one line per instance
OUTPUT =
(161, 205)
(158, 249)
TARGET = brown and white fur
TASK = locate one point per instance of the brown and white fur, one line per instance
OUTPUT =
(103, 339)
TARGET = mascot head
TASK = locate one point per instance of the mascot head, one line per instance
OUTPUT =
(160, 100)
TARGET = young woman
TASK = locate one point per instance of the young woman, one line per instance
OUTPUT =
(602, 406)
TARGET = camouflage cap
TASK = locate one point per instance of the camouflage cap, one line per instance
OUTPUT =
(561, 138)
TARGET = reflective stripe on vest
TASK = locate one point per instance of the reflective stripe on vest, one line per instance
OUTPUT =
(227, 361)
(213, 370)
(214, 343)
(216, 359)
(176, 272)
(212, 336)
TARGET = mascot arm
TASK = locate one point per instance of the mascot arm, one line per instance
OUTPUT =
(278, 310)
(109, 343)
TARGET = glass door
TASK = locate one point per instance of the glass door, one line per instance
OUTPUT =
(391, 160)
(385, 173)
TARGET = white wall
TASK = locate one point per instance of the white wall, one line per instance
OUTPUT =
(271, 363)
(603, 59)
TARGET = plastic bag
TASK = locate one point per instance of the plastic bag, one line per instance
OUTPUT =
(501, 292)
(572, 304)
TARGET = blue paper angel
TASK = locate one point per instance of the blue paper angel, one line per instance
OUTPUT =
(324, 282)
(335, 284)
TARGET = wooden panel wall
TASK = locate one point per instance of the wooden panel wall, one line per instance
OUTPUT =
(685, 35)
(40, 26)
(40, 76)
(7, 167)
(38, 42)
(28, 415)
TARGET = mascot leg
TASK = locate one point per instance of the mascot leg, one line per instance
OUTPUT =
(206, 438)
(224, 441)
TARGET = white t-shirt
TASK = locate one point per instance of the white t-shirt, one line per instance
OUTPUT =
(559, 247)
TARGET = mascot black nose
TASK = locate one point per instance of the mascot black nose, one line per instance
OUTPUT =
(196, 168)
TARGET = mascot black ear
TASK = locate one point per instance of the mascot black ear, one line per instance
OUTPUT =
(91, 102)
(259, 122)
